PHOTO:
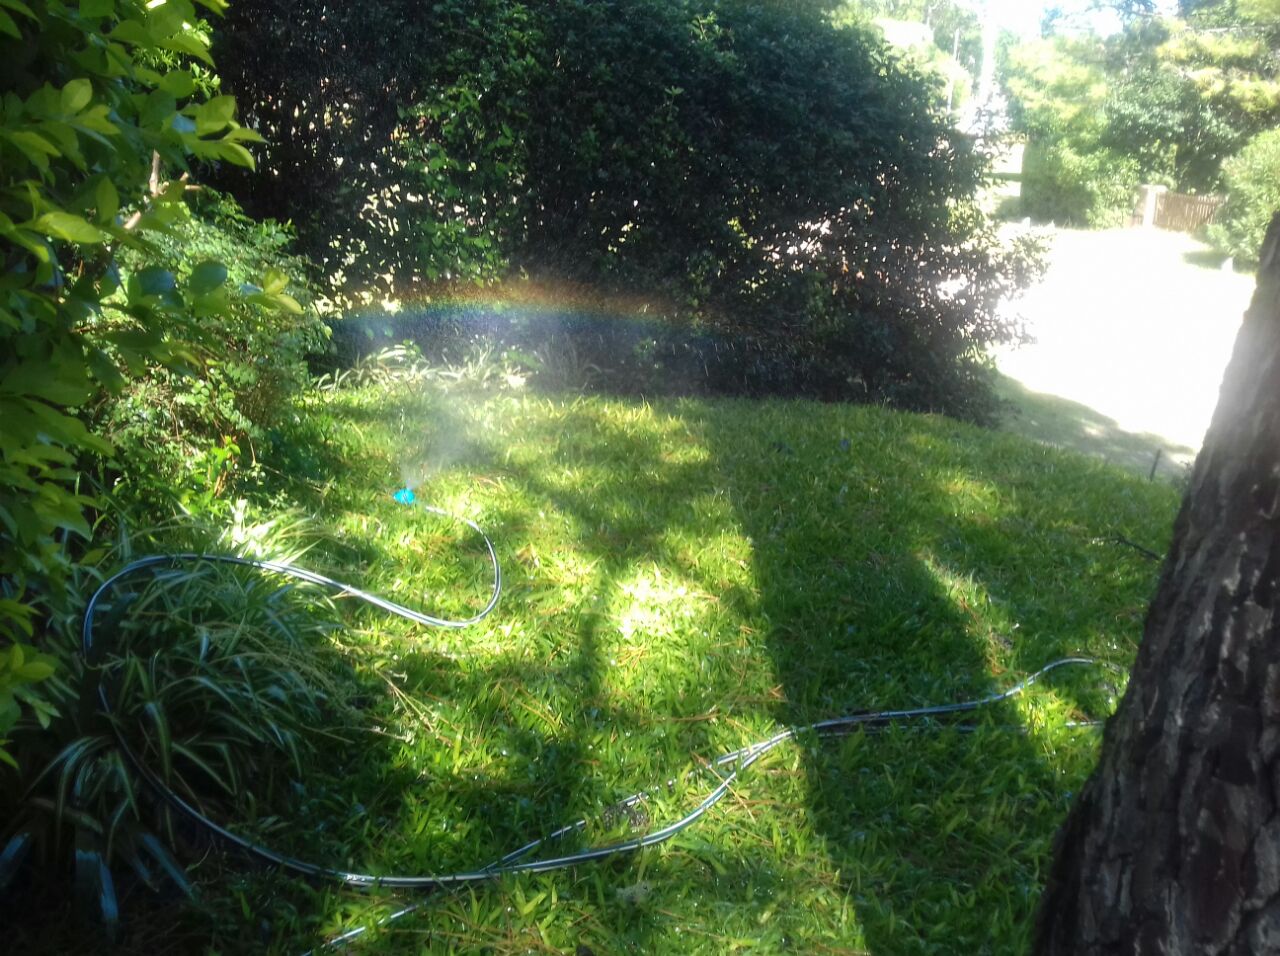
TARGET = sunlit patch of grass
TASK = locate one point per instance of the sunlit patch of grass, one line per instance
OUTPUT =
(684, 577)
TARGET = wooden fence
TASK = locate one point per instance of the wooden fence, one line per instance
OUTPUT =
(1181, 212)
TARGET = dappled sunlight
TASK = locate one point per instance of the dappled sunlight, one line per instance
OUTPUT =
(650, 604)
(683, 578)
(990, 624)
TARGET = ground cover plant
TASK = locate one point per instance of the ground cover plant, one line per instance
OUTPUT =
(684, 577)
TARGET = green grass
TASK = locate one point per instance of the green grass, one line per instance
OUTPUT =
(684, 577)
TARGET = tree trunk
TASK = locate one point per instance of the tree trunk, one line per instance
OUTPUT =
(1174, 843)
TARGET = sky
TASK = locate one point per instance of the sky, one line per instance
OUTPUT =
(1024, 16)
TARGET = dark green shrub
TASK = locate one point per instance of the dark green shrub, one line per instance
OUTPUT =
(737, 167)
(109, 290)
(1252, 181)
(325, 84)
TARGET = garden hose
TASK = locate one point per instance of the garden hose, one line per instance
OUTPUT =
(726, 767)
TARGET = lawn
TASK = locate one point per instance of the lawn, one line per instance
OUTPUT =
(682, 578)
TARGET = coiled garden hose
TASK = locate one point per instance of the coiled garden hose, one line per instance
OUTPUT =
(726, 767)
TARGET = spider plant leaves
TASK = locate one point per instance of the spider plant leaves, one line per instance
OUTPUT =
(151, 844)
(95, 890)
(12, 857)
(224, 782)
(164, 741)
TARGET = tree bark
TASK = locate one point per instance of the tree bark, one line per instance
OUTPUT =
(1174, 843)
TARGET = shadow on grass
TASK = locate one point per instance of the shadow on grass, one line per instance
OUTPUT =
(872, 571)
(1205, 258)
(1062, 423)
(889, 563)
(697, 574)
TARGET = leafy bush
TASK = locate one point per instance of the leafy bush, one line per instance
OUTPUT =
(1253, 193)
(109, 290)
(99, 103)
(1071, 188)
(325, 85)
(1165, 101)
(218, 676)
(170, 423)
(739, 168)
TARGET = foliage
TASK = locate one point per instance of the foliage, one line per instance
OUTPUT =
(473, 364)
(1187, 97)
(217, 678)
(684, 576)
(1167, 101)
(21, 667)
(1057, 89)
(1253, 195)
(590, 144)
(93, 93)
(325, 85)
(232, 390)
(1061, 185)
(113, 300)
(954, 26)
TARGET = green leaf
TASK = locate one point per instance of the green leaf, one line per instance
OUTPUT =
(96, 119)
(206, 277)
(171, 866)
(66, 429)
(36, 148)
(178, 83)
(61, 380)
(132, 32)
(287, 303)
(188, 43)
(164, 745)
(274, 281)
(155, 281)
(15, 851)
(235, 154)
(105, 371)
(242, 134)
(64, 513)
(76, 95)
(97, 8)
(215, 115)
(17, 613)
(107, 199)
(64, 225)
(7, 25)
(167, 18)
(21, 8)
(35, 670)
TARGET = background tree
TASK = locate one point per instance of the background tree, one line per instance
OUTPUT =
(955, 26)
(1166, 100)
(1173, 845)
(324, 84)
